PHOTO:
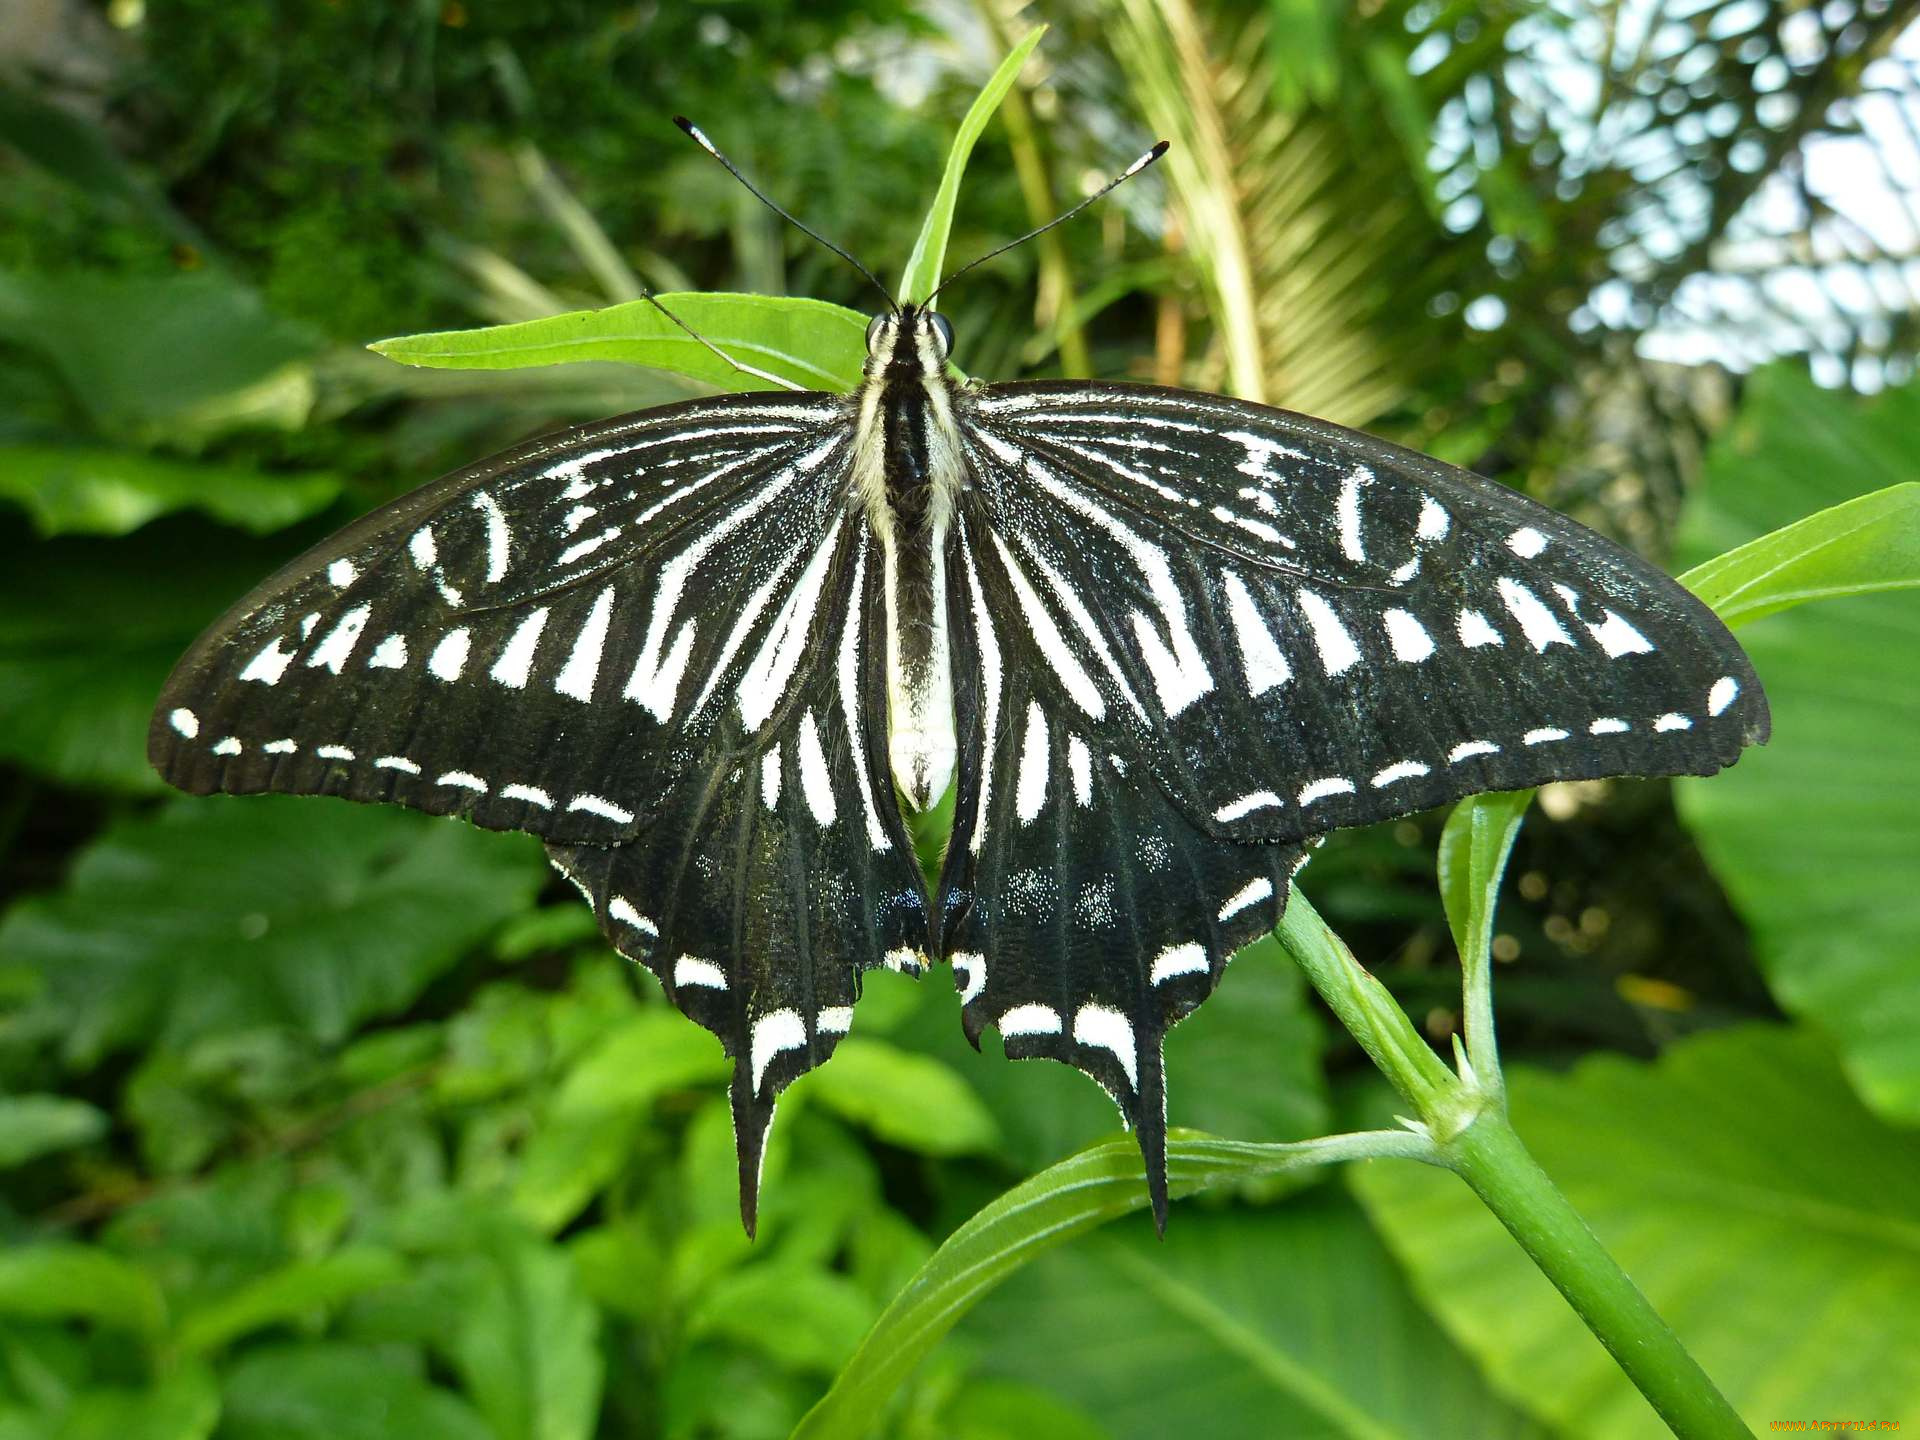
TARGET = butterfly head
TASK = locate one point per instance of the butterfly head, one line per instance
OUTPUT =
(911, 343)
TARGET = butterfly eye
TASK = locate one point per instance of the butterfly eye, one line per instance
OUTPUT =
(873, 332)
(943, 332)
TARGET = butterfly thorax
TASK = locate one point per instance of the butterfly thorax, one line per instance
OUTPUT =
(907, 471)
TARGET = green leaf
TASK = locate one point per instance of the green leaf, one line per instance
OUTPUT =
(219, 915)
(1068, 1199)
(36, 1125)
(810, 342)
(1474, 846)
(78, 152)
(185, 1405)
(95, 491)
(79, 1281)
(929, 257)
(1816, 836)
(904, 1098)
(292, 1292)
(1770, 1219)
(88, 631)
(1854, 548)
(526, 1340)
(1288, 1321)
(803, 1318)
(587, 1136)
(328, 1391)
(179, 360)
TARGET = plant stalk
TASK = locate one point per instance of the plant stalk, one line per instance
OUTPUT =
(1490, 1157)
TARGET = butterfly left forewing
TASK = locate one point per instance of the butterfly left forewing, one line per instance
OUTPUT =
(1299, 628)
(541, 642)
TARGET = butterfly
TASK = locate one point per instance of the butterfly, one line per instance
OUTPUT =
(1158, 642)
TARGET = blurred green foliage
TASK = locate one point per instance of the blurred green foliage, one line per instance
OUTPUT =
(321, 1121)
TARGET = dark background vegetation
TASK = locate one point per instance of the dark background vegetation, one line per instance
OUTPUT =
(322, 1121)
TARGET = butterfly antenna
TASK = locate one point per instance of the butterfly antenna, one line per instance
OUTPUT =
(1127, 174)
(699, 339)
(700, 138)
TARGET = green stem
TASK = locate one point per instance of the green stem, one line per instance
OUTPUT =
(1466, 1118)
(1490, 1157)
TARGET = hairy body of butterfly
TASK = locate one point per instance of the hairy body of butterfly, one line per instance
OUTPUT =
(1158, 640)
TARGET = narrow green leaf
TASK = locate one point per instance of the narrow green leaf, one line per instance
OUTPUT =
(1091, 1188)
(929, 255)
(1473, 855)
(1866, 544)
(86, 490)
(184, 1405)
(79, 1281)
(289, 1293)
(1292, 1320)
(36, 1125)
(814, 344)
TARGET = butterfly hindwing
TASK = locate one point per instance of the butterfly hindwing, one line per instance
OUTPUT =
(764, 886)
(1300, 628)
(541, 642)
(1084, 914)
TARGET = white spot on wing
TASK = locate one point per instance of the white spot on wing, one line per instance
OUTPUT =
(576, 678)
(1467, 749)
(691, 970)
(772, 1033)
(1187, 959)
(185, 722)
(342, 573)
(1434, 520)
(425, 553)
(285, 747)
(1321, 789)
(1404, 770)
(464, 780)
(770, 778)
(334, 752)
(395, 762)
(1672, 722)
(973, 966)
(449, 657)
(1047, 638)
(834, 1019)
(764, 682)
(621, 909)
(1337, 650)
(1104, 1028)
(1476, 630)
(389, 654)
(815, 783)
(333, 651)
(1537, 622)
(1546, 735)
(1030, 1020)
(1260, 654)
(1030, 790)
(228, 746)
(1246, 805)
(1080, 767)
(1408, 636)
(1252, 893)
(596, 805)
(1526, 542)
(1723, 693)
(1608, 725)
(269, 665)
(516, 658)
(531, 794)
(496, 535)
(1618, 638)
(1347, 509)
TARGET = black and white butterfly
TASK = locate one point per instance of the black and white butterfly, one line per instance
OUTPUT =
(1158, 640)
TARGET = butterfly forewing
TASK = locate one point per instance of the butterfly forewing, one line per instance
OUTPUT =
(539, 643)
(1296, 627)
